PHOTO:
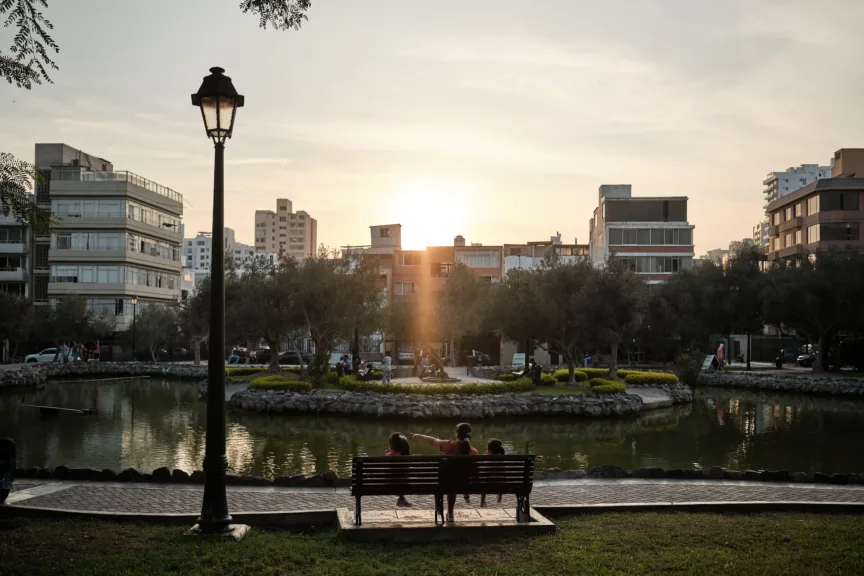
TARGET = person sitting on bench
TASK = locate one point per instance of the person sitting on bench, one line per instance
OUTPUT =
(459, 447)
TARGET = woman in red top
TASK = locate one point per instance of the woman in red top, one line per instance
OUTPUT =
(459, 447)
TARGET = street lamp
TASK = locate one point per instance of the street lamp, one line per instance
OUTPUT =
(218, 101)
(134, 303)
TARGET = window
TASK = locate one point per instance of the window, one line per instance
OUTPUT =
(812, 205)
(797, 237)
(384, 232)
(409, 259)
(616, 237)
(441, 268)
(64, 241)
(480, 258)
(776, 219)
(813, 233)
(629, 236)
(404, 288)
(201, 242)
(839, 201)
(788, 214)
(283, 208)
(798, 210)
(840, 231)
(283, 219)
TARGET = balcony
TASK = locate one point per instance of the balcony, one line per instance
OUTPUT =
(76, 174)
(773, 231)
(13, 274)
(788, 252)
(13, 247)
(790, 224)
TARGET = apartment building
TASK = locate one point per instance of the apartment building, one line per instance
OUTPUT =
(15, 258)
(531, 254)
(295, 234)
(780, 184)
(199, 250)
(120, 237)
(650, 234)
(823, 215)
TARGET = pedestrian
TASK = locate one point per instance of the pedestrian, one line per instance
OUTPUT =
(537, 375)
(721, 357)
(386, 366)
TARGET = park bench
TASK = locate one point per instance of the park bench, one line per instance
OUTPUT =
(441, 475)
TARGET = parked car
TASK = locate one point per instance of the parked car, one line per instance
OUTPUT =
(46, 355)
(808, 359)
(291, 358)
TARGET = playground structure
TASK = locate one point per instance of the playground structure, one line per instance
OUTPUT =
(434, 371)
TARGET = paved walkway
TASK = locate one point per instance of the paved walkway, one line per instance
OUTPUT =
(186, 499)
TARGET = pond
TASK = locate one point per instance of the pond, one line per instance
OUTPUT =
(150, 423)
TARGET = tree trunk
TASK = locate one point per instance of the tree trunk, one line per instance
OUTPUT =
(248, 352)
(571, 369)
(748, 352)
(274, 356)
(153, 353)
(196, 345)
(613, 365)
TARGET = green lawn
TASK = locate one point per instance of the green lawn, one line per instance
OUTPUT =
(614, 543)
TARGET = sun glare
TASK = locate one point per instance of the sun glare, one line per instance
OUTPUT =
(431, 213)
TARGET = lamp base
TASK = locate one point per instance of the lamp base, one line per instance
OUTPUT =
(234, 531)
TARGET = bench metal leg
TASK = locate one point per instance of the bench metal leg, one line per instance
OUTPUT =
(523, 509)
(357, 521)
(439, 508)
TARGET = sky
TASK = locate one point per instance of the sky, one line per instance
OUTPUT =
(494, 119)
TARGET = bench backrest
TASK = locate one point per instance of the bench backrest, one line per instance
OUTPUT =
(391, 475)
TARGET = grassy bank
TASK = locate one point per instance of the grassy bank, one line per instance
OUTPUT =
(622, 543)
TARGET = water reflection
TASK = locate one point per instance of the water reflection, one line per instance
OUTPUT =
(153, 423)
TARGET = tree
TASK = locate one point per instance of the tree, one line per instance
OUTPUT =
(401, 321)
(17, 320)
(461, 304)
(337, 295)
(745, 291)
(266, 306)
(29, 60)
(548, 305)
(815, 296)
(615, 306)
(194, 318)
(70, 321)
(157, 328)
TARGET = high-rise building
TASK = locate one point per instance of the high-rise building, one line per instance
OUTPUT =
(284, 231)
(120, 236)
(198, 251)
(16, 258)
(780, 184)
(649, 234)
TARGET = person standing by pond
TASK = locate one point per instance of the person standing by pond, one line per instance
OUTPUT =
(461, 446)
(386, 367)
(721, 357)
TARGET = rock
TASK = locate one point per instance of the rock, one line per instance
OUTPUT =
(197, 477)
(821, 478)
(714, 473)
(776, 476)
(549, 474)
(19, 473)
(130, 475)
(692, 474)
(106, 475)
(343, 482)
(146, 478)
(179, 476)
(60, 473)
(162, 474)
(840, 478)
(654, 472)
(752, 475)
(315, 481)
(606, 472)
(574, 474)
(33, 472)
(799, 477)
(675, 474)
(331, 478)
(84, 474)
(734, 475)
(44, 473)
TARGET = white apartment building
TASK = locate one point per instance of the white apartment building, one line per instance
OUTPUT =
(198, 251)
(780, 184)
(649, 234)
(532, 254)
(295, 234)
(120, 237)
(16, 245)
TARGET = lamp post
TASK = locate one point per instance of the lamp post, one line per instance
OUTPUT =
(134, 303)
(218, 101)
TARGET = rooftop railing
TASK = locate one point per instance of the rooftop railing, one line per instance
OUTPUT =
(74, 173)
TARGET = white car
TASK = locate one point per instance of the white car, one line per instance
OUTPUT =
(46, 355)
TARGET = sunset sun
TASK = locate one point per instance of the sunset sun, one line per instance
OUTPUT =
(431, 212)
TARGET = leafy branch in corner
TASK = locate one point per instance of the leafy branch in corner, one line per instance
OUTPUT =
(281, 14)
(16, 182)
(31, 46)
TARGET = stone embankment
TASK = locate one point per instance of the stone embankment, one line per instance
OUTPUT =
(830, 384)
(447, 406)
(37, 374)
(167, 475)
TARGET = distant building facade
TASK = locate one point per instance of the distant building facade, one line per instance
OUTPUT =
(284, 231)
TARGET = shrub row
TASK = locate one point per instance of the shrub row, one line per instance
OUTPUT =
(351, 384)
(278, 382)
(249, 370)
(602, 386)
(505, 376)
(563, 375)
(649, 378)
(547, 380)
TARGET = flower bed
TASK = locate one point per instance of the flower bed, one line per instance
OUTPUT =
(351, 384)
(602, 386)
(280, 382)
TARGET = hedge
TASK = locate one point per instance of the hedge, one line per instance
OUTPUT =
(591, 373)
(602, 386)
(351, 384)
(563, 375)
(650, 378)
(547, 380)
(249, 370)
(278, 382)
(505, 376)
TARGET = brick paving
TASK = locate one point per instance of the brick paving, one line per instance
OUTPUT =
(150, 498)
